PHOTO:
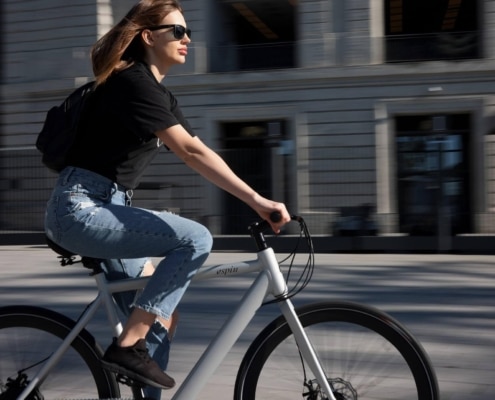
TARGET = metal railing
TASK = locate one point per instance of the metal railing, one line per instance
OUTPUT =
(25, 186)
(433, 46)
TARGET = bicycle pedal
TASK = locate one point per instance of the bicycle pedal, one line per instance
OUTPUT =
(125, 380)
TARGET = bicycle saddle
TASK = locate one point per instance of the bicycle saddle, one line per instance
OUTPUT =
(59, 249)
(68, 257)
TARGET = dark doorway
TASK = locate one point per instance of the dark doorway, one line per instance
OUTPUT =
(250, 148)
(433, 175)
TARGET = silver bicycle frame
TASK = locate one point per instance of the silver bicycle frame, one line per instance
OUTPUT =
(270, 281)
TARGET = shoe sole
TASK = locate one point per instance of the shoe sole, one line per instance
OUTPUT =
(115, 368)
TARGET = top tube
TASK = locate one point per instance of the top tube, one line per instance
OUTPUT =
(209, 272)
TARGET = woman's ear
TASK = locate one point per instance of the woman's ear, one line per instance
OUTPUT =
(147, 37)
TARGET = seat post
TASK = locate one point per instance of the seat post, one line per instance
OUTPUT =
(93, 264)
(108, 301)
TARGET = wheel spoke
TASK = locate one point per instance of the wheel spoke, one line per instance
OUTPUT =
(365, 354)
(27, 340)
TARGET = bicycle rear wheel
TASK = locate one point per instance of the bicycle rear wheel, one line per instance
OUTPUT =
(365, 353)
(28, 336)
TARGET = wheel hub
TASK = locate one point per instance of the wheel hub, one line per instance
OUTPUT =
(14, 387)
(341, 389)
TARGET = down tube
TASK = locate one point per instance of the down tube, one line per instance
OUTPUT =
(307, 350)
(224, 340)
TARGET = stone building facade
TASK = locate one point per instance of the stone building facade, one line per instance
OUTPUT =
(344, 109)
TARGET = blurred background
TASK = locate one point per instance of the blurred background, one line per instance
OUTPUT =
(374, 120)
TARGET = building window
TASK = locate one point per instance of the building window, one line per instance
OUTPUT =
(424, 30)
(253, 35)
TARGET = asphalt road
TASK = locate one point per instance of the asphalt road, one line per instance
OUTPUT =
(446, 301)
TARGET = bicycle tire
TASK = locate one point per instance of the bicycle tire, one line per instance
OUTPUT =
(28, 335)
(368, 354)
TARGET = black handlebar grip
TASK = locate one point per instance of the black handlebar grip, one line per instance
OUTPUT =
(275, 216)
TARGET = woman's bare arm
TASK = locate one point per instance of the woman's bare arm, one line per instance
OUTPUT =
(198, 156)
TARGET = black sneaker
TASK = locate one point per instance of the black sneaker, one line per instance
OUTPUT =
(135, 363)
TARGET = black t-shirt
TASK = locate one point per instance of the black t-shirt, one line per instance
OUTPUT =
(117, 137)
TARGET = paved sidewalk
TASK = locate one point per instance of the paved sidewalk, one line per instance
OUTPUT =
(446, 301)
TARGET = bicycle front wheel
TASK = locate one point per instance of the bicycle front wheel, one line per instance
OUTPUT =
(28, 336)
(365, 354)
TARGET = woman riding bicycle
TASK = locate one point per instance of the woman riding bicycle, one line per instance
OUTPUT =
(131, 115)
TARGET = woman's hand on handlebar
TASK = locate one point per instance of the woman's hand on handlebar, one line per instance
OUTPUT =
(265, 208)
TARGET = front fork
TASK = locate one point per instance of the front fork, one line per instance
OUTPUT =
(306, 349)
(279, 290)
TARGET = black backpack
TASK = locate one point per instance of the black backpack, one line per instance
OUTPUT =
(61, 126)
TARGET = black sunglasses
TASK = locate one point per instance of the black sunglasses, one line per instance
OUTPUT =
(179, 30)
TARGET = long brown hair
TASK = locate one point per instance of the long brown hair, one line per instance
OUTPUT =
(120, 47)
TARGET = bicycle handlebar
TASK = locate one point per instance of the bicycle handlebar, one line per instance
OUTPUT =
(275, 216)
(257, 228)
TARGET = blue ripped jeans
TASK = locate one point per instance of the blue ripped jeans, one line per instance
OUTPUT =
(87, 214)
